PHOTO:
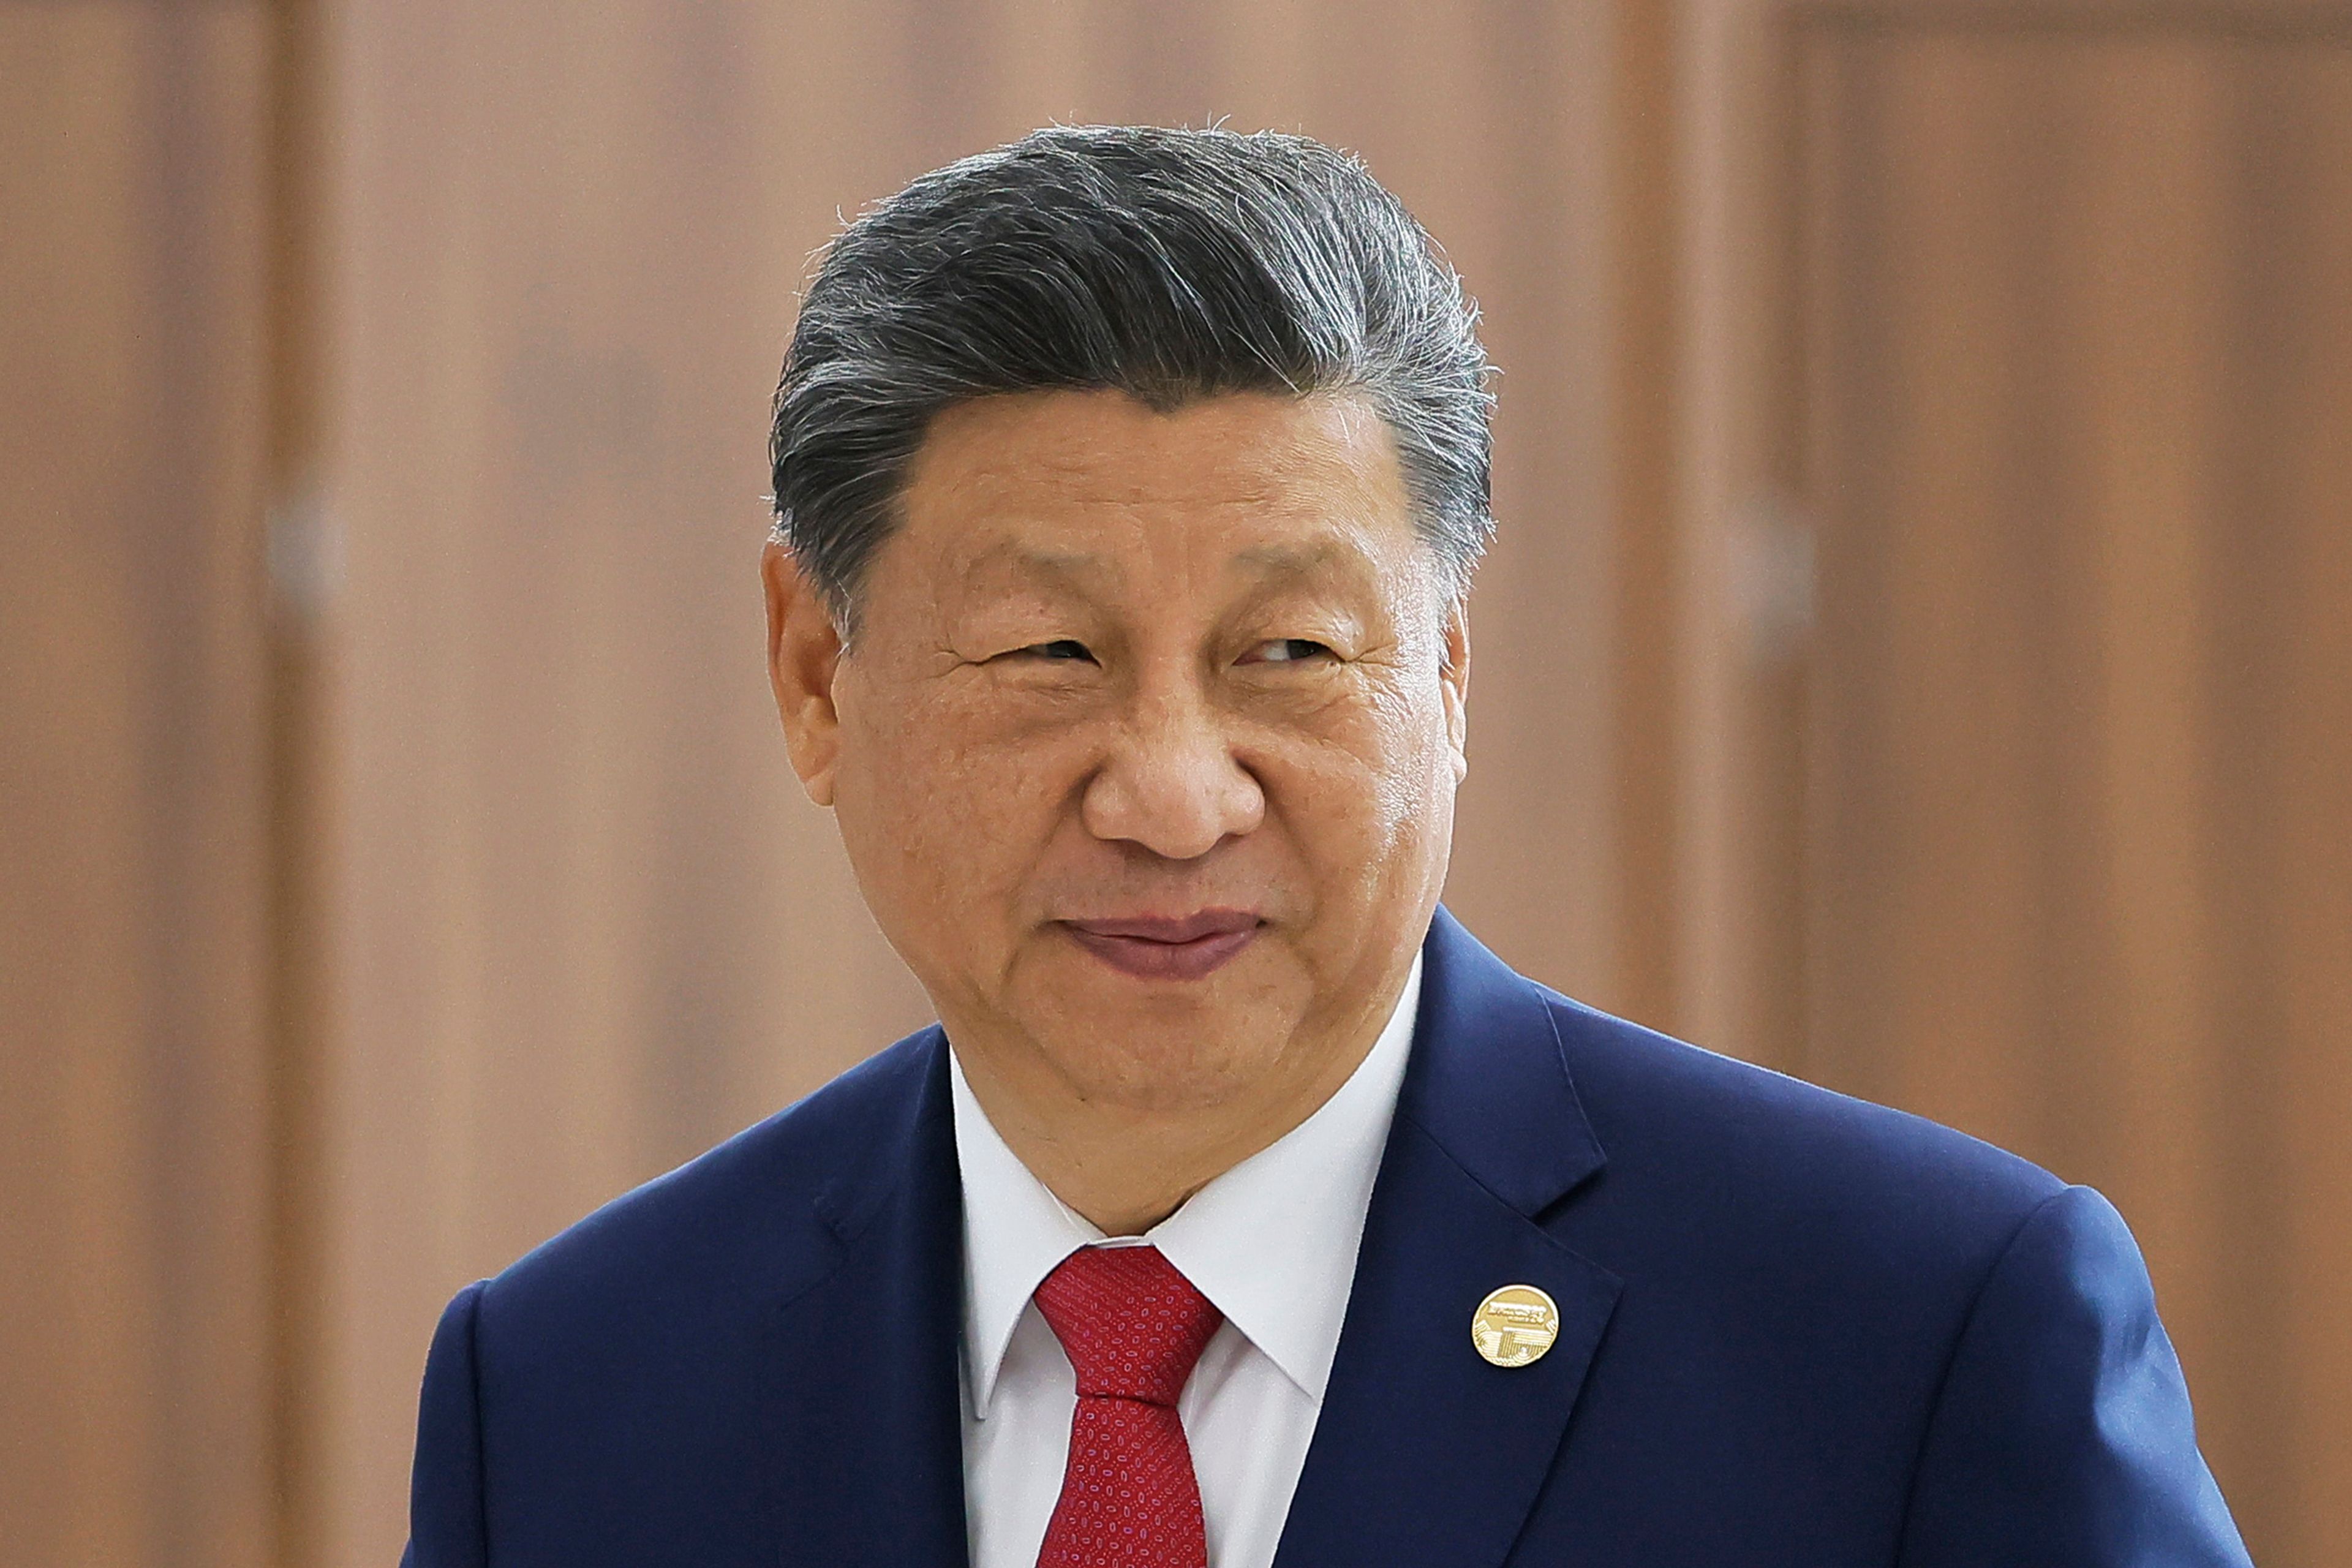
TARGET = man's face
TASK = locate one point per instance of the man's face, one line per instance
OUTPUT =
(1145, 749)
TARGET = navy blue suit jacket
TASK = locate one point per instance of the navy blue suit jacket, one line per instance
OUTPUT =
(1795, 1329)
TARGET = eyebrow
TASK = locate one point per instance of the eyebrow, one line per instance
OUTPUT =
(1067, 567)
(1281, 561)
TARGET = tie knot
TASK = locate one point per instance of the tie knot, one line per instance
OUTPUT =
(1131, 1324)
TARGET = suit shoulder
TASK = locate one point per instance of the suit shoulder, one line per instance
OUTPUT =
(751, 1214)
(1763, 1147)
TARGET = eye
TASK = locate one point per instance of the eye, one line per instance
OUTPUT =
(1287, 650)
(1061, 649)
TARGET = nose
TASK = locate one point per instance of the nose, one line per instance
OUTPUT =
(1171, 783)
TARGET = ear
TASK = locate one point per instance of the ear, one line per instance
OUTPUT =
(1453, 678)
(804, 651)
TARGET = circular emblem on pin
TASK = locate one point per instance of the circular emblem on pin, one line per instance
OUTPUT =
(1515, 1325)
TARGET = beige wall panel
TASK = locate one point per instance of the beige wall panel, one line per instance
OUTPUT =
(2076, 325)
(135, 1349)
(584, 923)
(2278, 859)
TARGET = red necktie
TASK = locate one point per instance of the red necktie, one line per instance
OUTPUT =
(1133, 1326)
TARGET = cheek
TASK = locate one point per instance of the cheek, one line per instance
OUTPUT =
(1370, 790)
(943, 802)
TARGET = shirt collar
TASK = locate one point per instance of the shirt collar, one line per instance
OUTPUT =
(1272, 1242)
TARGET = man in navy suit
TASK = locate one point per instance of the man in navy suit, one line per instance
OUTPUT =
(1242, 1209)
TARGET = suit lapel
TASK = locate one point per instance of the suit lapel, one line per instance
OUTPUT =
(1423, 1452)
(869, 1450)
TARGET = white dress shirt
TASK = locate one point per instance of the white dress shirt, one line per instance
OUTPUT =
(1271, 1242)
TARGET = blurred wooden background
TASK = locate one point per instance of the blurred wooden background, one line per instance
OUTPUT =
(1918, 654)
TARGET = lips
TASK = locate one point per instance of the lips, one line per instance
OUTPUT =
(1167, 947)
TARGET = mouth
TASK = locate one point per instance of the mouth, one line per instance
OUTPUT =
(1167, 947)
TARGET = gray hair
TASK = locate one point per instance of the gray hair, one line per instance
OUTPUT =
(1171, 264)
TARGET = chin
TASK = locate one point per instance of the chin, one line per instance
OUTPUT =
(1157, 1043)
(1160, 1071)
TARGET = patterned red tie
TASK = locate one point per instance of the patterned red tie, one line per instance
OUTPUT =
(1133, 1326)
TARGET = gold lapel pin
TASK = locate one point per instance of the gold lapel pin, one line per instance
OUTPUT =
(1515, 1325)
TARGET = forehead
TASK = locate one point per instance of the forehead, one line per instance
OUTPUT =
(1101, 474)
